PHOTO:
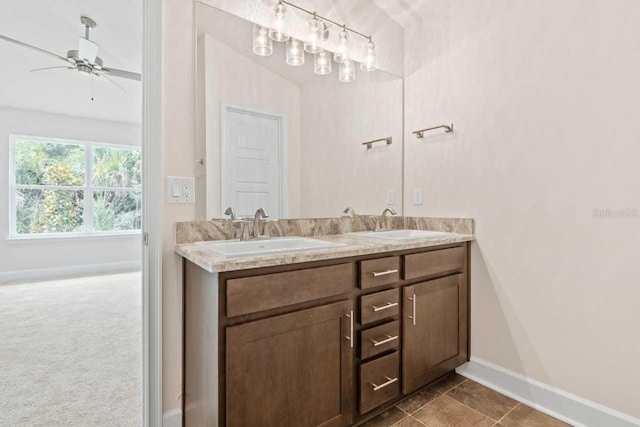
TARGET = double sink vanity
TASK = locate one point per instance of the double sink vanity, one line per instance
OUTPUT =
(317, 321)
(328, 328)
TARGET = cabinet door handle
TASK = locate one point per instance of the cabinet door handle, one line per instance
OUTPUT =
(413, 310)
(387, 306)
(383, 385)
(389, 338)
(384, 273)
(350, 336)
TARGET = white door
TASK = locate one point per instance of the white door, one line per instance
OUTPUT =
(253, 166)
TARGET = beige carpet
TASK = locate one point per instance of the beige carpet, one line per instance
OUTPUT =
(71, 352)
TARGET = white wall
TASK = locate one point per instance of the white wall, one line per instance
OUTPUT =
(178, 134)
(544, 95)
(336, 119)
(232, 78)
(34, 255)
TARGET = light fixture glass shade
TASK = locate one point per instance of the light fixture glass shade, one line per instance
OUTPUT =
(369, 61)
(277, 31)
(262, 44)
(316, 28)
(347, 72)
(295, 52)
(342, 51)
(322, 63)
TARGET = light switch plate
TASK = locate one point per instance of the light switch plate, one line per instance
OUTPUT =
(391, 197)
(417, 196)
(181, 189)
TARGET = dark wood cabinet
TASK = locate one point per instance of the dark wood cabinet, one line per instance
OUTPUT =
(327, 343)
(292, 370)
(434, 330)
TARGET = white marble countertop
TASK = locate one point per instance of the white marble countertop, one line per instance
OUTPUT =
(353, 246)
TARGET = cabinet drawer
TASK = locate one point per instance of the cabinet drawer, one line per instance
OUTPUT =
(380, 305)
(379, 381)
(378, 272)
(379, 339)
(259, 293)
(433, 262)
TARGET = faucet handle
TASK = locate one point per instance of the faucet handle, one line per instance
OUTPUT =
(349, 212)
(230, 213)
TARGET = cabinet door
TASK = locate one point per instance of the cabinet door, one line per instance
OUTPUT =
(434, 330)
(293, 370)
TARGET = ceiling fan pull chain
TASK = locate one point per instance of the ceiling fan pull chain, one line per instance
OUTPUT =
(92, 87)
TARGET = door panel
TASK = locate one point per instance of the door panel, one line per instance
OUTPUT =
(252, 162)
(293, 370)
(434, 330)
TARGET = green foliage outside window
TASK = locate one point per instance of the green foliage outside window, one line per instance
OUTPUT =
(115, 184)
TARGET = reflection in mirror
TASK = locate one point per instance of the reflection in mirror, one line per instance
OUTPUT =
(285, 138)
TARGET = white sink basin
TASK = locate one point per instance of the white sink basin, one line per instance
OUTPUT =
(237, 248)
(402, 234)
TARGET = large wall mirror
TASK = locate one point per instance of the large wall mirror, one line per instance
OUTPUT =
(284, 138)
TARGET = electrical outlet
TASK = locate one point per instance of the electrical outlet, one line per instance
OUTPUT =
(391, 197)
(417, 196)
(181, 189)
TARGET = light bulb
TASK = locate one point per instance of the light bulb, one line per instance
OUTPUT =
(347, 71)
(316, 28)
(262, 44)
(369, 63)
(342, 52)
(277, 32)
(295, 52)
(322, 63)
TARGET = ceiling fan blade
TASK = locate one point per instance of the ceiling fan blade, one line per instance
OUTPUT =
(121, 73)
(51, 68)
(19, 43)
(111, 80)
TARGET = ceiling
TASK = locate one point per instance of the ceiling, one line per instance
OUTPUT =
(55, 26)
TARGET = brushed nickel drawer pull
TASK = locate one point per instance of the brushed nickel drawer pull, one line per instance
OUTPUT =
(383, 385)
(384, 307)
(384, 273)
(388, 339)
(350, 337)
(413, 310)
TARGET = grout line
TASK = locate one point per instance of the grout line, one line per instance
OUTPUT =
(508, 412)
(469, 407)
(496, 421)
(419, 422)
(455, 386)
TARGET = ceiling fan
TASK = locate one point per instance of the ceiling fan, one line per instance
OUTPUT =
(85, 59)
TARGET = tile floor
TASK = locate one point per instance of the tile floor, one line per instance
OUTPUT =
(458, 402)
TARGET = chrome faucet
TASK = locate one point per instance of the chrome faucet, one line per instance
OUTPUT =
(230, 213)
(349, 213)
(260, 214)
(385, 218)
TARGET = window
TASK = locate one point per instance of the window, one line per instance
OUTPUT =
(69, 188)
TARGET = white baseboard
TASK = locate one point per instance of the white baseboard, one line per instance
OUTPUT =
(172, 418)
(70, 271)
(555, 402)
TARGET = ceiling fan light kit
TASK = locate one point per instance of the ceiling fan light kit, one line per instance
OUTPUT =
(85, 59)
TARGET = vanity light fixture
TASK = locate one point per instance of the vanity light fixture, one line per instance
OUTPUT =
(322, 63)
(318, 33)
(295, 52)
(262, 44)
(277, 32)
(369, 63)
(347, 71)
(342, 53)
